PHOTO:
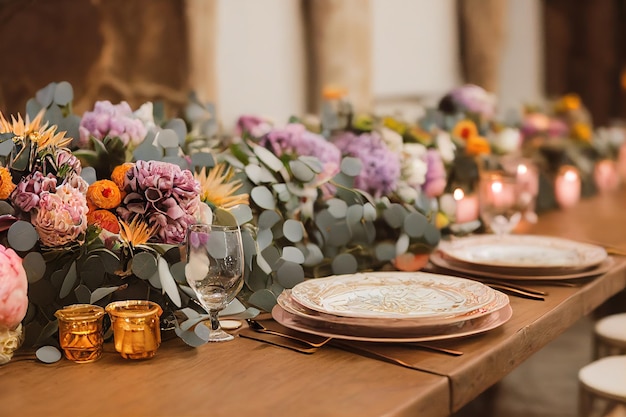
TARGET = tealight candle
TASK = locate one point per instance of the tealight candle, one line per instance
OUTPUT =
(466, 206)
(605, 175)
(498, 191)
(567, 186)
(136, 327)
(80, 332)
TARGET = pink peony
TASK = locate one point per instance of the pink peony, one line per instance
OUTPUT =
(13, 289)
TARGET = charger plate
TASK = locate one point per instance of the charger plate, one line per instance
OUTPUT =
(393, 295)
(523, 253)
(347, 332)
(419, 325)
(449, 266)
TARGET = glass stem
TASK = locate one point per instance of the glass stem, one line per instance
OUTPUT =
(215, 322)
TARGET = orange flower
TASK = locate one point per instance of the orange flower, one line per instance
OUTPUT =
(119, 172)
(6, 183)
(104, 194)
(465, 129)
(581, 131)
(105, 219)
(477, 145)
(568, 102)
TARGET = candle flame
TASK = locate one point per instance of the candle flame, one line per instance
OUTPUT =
(570, 175)
(496, 187)
(522, 169)
(458, 194)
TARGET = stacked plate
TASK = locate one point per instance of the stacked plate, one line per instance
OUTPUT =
(392, 307)
(521, 257)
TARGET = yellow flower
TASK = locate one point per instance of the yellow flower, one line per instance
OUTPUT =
(441, 220)
(136, 233)
(394, 125)
(217, 189)
(568, 102)
(42, 135)
(6, 183)
(477, 145)
(581, 131)
(465, 129)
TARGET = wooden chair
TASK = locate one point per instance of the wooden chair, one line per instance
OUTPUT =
(603, 379)
(610, 336)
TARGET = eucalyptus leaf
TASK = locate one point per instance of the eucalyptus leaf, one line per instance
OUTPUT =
(385, 251)
(242, 212)
(33, 107)
(45, 96)
(89, 175)
(202, 159)
(415, 225)
(289, 274)
(259, 174)
(167, 282)
(143, 265)
(337, 208)
(6, 148)
(257, 279)
(48, 354)
(344, 263)
(293, 230)
(267, 219)
(83, 294)
(100, 293)
(22, 236)
(263, 299)
(179, 127)
(394, 215)
(35, 266)
(263, 197)
(69, 281)
(293, 254)
(313, 256)
(268, 158)
(301, 171)
(63, 93)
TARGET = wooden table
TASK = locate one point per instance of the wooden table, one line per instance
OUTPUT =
(249, 378)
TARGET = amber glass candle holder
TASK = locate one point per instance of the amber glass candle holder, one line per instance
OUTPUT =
(80, 332)
(136, 327)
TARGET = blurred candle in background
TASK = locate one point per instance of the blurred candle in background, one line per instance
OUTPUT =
(606, 175)
(567, 186)
(466, 206)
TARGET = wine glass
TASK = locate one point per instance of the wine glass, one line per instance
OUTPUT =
(501, 202)
(214, 270)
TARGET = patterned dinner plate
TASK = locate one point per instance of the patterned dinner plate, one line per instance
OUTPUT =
(393, 295)
(528, 252)
(347, 332)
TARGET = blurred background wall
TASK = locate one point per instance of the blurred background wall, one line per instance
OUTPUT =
(272, 57)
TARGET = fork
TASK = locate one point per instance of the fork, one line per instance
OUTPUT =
(258, 327)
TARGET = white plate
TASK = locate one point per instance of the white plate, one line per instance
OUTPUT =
(482, 325)
(393, 295)
(523, 251)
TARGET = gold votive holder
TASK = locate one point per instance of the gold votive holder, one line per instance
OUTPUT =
(136, 327)
(80, 332)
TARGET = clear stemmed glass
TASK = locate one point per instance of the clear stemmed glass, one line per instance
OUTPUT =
(214, 270)
(500, 201)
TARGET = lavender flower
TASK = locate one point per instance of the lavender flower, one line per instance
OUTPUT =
(381, 167)
(473, 99)
(164, 195)
(252, 125)
(111, 120)
(295, 139)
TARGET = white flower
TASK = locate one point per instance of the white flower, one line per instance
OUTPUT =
(445, 145)
(10, 341)
(392, 139)
(414, 165)
(507, 140)
(145, 114)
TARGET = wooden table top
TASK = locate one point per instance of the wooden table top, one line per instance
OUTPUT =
(246, 377)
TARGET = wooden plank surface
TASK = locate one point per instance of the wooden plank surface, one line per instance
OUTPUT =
(246, 377)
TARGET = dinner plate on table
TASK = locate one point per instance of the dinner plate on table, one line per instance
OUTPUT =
(448, 266)
(522, 254)
(369, 325)
(392, 295)
(348, 332)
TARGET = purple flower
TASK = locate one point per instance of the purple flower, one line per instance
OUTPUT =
(111, 120)
(27, 193)
(164, 195)
(252, 125)
(474, 99)
(381, 167)
(435, 182)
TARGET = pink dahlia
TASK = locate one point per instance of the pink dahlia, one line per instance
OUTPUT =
(61, 217)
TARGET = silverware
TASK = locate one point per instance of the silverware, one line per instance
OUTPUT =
(437, 349)
(258, 327)
(515, 291)
(360, 350)
(284, 342)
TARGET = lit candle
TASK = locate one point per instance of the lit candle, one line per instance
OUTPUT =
(466, 206)
(499, 192)
(567, 186)
(605, 175)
